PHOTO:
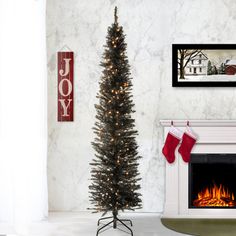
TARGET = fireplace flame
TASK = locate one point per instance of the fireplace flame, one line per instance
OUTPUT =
(215, 196)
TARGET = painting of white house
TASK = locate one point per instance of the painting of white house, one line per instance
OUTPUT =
(216, 65)
(197, 65)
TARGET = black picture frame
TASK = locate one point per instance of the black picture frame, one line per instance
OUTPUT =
(178, 83)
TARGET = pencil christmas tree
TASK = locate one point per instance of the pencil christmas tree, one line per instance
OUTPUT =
(115, 174)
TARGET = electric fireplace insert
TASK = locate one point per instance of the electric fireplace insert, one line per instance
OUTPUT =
(212, 181)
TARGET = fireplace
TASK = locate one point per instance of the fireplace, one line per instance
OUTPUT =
(205, 187)
(212, 181)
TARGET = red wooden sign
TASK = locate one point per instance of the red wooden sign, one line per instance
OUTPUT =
(65, 86)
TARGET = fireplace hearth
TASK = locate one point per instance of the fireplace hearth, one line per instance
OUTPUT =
(212, 181)
(205, 187)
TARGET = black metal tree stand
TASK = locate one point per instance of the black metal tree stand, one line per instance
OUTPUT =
(114, 221)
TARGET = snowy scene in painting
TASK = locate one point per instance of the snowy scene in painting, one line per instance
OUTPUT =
(206, 65)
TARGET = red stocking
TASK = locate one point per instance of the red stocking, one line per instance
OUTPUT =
(188, 141)
(172, 140)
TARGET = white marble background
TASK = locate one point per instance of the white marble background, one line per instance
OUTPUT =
(151, 27)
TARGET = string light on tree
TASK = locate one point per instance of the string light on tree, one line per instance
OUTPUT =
(115, 145)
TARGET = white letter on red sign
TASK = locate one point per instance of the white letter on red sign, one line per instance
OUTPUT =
(65, 107)
(67, 67)
(61, 87)
(65, 86)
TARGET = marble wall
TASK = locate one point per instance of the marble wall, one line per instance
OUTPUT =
(151, 27)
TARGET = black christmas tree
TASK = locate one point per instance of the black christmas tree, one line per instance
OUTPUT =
(114, 171)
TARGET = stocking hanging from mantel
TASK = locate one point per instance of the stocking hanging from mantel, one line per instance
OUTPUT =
(174, 137)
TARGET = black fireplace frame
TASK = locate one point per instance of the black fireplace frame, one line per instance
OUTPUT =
(205, 157)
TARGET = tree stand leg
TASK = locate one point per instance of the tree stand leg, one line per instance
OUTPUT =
(121, 221)
(104, 226)
(104, 218)
(114, 221)
(126, 220)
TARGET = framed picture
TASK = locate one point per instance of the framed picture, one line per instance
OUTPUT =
(204, 65)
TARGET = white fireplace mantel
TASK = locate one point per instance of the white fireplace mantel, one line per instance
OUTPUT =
(200, 123)
(214, 136)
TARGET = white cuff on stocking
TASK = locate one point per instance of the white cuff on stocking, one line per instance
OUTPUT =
(191, 133)
(176, 132)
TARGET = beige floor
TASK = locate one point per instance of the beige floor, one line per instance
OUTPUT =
(84, 224)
